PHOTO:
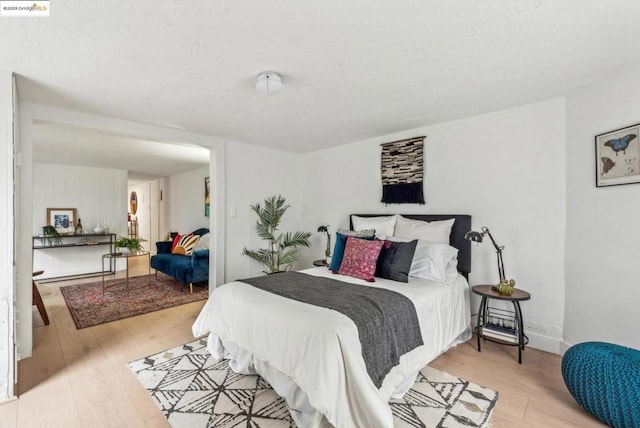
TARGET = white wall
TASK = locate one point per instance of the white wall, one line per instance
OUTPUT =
(7, 358)
(185, 198)
(253, 174)
(506, 169)
(603, 237)
(98, 194)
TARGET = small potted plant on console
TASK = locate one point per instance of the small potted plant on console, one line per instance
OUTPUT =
(128, 245)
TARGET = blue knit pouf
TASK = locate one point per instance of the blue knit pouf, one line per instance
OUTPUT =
(605, 379)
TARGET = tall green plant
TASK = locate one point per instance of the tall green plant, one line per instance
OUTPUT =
(283, 247)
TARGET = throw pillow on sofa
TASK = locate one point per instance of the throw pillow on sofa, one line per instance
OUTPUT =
(176, 239)
(185, 245)
(203, 243)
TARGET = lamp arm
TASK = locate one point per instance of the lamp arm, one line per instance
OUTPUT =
(328, 250)
(485, 231)
(499, 249)
(501, 266)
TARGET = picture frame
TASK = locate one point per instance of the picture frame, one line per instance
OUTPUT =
(63, 219)
(207, 196)
(618, 156)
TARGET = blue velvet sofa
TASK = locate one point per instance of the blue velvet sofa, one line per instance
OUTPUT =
(185, 268)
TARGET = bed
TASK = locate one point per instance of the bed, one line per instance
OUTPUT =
(313, 356)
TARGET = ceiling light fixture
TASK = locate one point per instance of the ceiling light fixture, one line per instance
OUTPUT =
(269, 83)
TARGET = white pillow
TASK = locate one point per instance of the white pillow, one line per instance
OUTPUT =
(432, 231)
(433, 260)
(203, 243)
(384, 225)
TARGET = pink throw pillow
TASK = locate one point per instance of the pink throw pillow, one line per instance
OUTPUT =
(360, 257)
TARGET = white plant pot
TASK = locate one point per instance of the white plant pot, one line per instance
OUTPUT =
(124, 250)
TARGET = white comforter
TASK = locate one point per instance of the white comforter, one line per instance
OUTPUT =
(312, 355)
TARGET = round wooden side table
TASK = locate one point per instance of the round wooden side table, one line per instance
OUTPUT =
(505, 335)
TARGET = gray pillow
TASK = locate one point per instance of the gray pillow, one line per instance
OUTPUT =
(357, 233)
(394, 261)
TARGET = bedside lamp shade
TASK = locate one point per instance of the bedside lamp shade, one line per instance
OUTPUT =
(473, 236)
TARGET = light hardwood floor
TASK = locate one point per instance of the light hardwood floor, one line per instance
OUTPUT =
(79, 378)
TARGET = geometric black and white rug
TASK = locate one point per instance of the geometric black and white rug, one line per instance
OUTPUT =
(192, 389)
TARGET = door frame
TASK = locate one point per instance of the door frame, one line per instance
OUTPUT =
(33, 113)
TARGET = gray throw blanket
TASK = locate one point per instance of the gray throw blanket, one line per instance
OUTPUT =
(387, 321)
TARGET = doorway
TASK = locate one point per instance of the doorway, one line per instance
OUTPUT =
(32, 116)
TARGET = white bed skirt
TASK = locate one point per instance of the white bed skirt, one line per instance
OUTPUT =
(261, 333)
(244, 362)
(302, 412)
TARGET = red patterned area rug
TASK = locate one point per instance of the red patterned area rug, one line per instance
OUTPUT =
(148, 293)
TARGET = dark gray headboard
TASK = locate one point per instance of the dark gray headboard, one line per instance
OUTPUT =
(461, 226)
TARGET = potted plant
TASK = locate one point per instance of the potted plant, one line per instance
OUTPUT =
(283, 247)
(128, 245)
(50, 235)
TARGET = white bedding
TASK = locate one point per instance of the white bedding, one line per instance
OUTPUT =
(312, 356)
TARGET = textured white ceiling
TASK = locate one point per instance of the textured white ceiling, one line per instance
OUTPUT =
(351, 69)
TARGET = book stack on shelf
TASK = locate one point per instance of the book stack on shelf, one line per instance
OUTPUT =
(499, 332)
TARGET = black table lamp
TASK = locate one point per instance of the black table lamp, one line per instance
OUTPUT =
(474, 236)
(325, 229)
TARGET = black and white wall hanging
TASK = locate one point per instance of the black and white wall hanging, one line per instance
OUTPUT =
(402, 168)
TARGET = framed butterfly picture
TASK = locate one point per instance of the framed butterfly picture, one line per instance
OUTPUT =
(618, 157)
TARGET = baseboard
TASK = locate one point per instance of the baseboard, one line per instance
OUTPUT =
(545, 343)
(564, 346)
(8, 400)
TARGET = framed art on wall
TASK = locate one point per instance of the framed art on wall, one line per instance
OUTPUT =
(63, 219)
(618, 157)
